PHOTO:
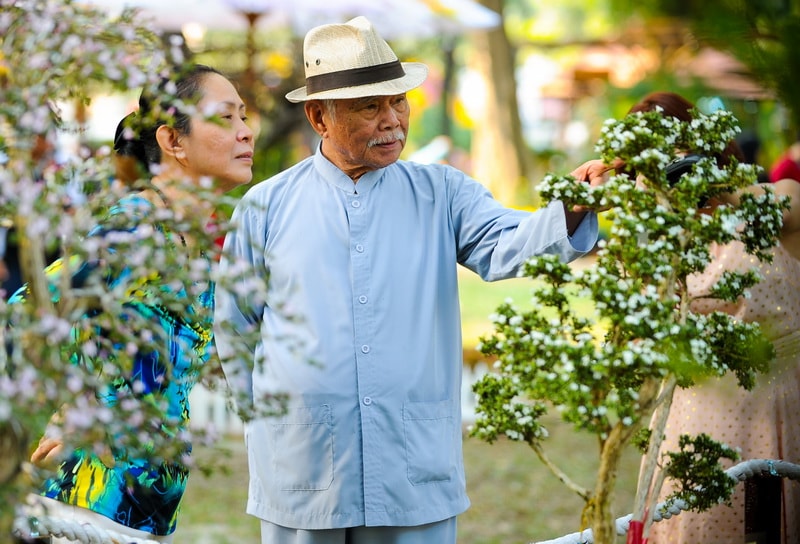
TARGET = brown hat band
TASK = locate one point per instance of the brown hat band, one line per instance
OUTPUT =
(354, 77)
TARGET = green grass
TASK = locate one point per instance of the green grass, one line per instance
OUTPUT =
(213, 509)
(479, 299)
(514, 498)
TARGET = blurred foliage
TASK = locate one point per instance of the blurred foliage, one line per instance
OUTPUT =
(759, 33)
(71, 343)
(564, 21)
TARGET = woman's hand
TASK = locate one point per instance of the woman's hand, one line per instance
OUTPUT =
(48, 453)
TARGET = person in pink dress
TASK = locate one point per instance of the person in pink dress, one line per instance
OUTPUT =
(763, 423)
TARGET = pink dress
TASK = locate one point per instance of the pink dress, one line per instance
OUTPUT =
(763, 423)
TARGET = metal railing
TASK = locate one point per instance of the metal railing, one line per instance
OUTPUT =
(740, 472)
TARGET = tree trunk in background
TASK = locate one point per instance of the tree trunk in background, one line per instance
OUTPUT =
(500, 157)
(13, 442)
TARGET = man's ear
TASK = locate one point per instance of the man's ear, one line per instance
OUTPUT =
(170, 143)
(315, 111)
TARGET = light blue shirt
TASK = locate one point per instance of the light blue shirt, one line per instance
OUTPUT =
(362, 328)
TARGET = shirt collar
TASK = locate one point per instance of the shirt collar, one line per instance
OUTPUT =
(333, 175)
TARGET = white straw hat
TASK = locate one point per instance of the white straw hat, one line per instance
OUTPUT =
(351, 60)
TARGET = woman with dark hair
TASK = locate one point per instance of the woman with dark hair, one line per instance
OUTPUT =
(174, 145)
(674, 105)
(761, 423)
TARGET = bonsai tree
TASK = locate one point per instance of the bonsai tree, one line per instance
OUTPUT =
(612, 373)
(56, 52)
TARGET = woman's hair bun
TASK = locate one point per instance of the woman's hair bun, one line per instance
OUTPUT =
(127, 140)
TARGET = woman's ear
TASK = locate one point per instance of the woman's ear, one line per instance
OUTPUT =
(170, 142)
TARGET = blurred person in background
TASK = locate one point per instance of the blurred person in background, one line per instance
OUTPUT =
(750, 144)
(787, 166)
(46, 161)
(761, 423)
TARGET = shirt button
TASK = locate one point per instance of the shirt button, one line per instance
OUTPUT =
(365, 349)
(367, 401)
(356, 203)
(362, 299)
(359, 248)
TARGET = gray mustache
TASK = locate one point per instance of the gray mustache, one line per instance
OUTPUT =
(389, 138)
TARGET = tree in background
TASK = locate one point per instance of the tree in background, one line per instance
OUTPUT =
(501, 158)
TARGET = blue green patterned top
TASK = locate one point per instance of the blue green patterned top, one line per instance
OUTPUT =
(135, 492)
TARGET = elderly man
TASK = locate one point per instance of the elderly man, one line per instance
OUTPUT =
(361, 324)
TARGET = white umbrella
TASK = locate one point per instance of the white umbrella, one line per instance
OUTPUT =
(175, 14)
(392, 18)
(398, 18)
(428, 18)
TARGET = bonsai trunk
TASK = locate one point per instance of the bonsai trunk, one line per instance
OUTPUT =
(598, 515)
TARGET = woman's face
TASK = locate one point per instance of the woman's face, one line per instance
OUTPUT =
(220, 143)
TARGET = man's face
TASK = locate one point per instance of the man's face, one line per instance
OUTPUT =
(365, 134)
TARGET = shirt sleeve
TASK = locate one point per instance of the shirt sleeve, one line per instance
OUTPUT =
(236, 308)
(495, 241)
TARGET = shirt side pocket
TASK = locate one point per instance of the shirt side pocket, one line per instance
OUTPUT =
(302, 449)
(428, 428)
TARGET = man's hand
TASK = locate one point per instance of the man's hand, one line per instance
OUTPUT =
(596, 172)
